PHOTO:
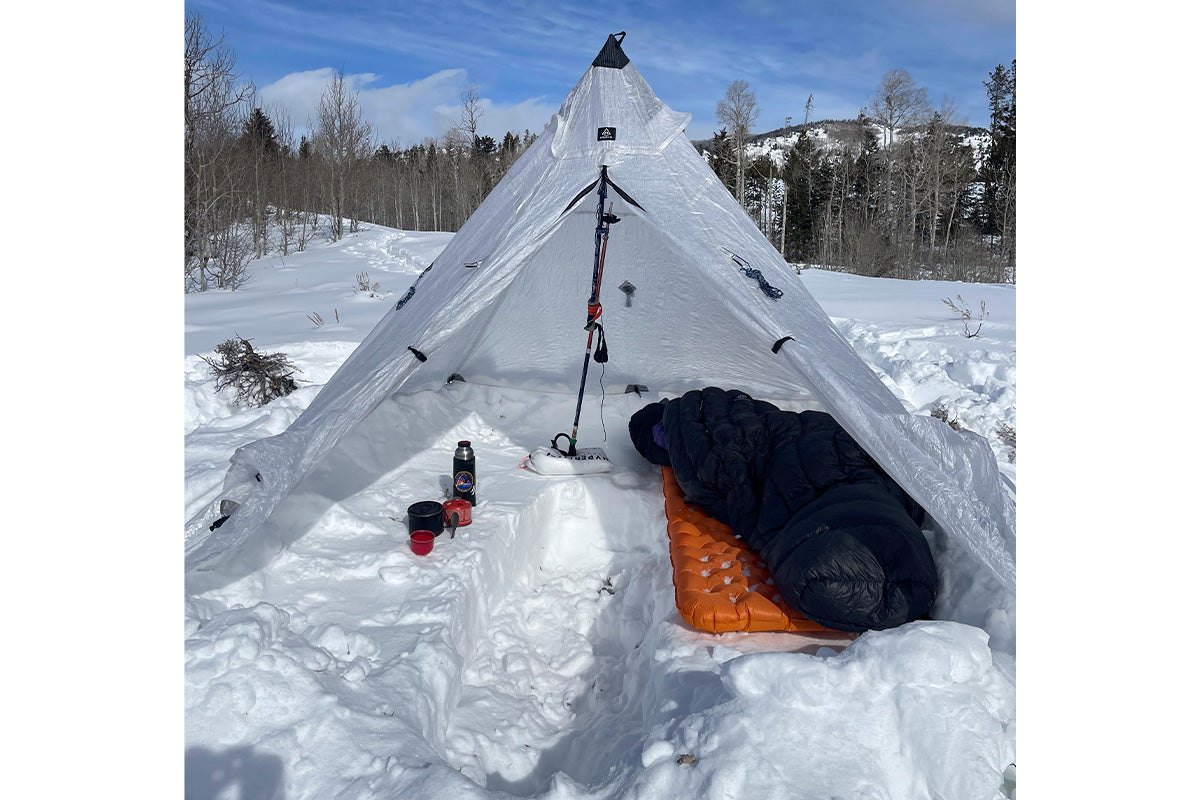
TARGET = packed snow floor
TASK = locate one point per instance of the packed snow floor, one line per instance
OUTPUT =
(538, 652)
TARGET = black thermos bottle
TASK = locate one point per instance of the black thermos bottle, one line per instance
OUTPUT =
(464, 472)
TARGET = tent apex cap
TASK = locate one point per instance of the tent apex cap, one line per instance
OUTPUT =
(611, 55)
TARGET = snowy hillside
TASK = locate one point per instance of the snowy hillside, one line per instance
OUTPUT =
(827, 135)
(538, 652)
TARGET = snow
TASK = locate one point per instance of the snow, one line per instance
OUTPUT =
(538, 653)
(777, 147)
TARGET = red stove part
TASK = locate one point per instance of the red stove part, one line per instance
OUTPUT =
(463, 508)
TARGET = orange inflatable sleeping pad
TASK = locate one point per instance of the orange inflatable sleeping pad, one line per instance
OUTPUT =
(721, 585)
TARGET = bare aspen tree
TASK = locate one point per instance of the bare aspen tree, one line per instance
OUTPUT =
(308, 192)
(738, 112)
(285, 186)
(209, 90)
(414, 184)
(212, 99)
(479, 178)
(898, 104)
(397, 185)
(946, 172)
(433, 168)
(472, 112)
(787, 123)
(453, 150)
(342, 139)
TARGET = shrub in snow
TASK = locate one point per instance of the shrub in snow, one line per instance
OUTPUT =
(318, 320)
(1008, 437)
(258, 378)
(363, 284)
(941, 413)
(964, 311)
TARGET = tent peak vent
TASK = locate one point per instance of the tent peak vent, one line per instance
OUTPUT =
(611, 55)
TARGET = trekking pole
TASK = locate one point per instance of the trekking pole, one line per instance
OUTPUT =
(604, 221)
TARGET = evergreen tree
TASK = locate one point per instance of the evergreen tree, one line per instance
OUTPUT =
(260, 145)
(758, 180)
(258, 134)
(866, 138)
(799, 225)
(483, 146)
(867, 170)
(722, 160)
(305, 148)
(1001, 153)
(996, 214)
(510, 144)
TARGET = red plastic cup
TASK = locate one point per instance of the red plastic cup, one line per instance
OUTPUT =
(421, 542)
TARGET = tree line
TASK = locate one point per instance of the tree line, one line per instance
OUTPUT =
(898, 193)
(251, 189)
(901, 195)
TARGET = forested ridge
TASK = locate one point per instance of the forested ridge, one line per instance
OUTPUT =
(902, 191)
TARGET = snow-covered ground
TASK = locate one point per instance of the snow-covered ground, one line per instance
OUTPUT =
(538, 653)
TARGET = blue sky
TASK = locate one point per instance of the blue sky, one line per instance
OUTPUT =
(410, 60)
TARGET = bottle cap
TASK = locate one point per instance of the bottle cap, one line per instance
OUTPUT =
(464, 443)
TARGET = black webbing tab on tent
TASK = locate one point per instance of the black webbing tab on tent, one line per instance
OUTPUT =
(420, 356)
(611, 55)
(587, 189)
(775, 347)
(626, 197)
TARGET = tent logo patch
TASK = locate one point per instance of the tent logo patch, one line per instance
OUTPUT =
(606, 134)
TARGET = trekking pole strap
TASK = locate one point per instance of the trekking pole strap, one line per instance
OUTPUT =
(570, 451)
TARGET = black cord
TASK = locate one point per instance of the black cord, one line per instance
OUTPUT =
(603, 431)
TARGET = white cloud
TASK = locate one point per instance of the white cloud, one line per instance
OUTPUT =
(404, 113)
(528, 115)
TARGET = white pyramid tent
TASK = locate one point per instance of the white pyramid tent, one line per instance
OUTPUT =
(503, 305)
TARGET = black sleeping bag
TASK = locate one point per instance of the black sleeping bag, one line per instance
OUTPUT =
(841, 538)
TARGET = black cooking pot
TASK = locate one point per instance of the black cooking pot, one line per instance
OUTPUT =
(426, 516)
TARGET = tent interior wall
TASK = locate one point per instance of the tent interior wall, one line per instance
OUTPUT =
(660, 340)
